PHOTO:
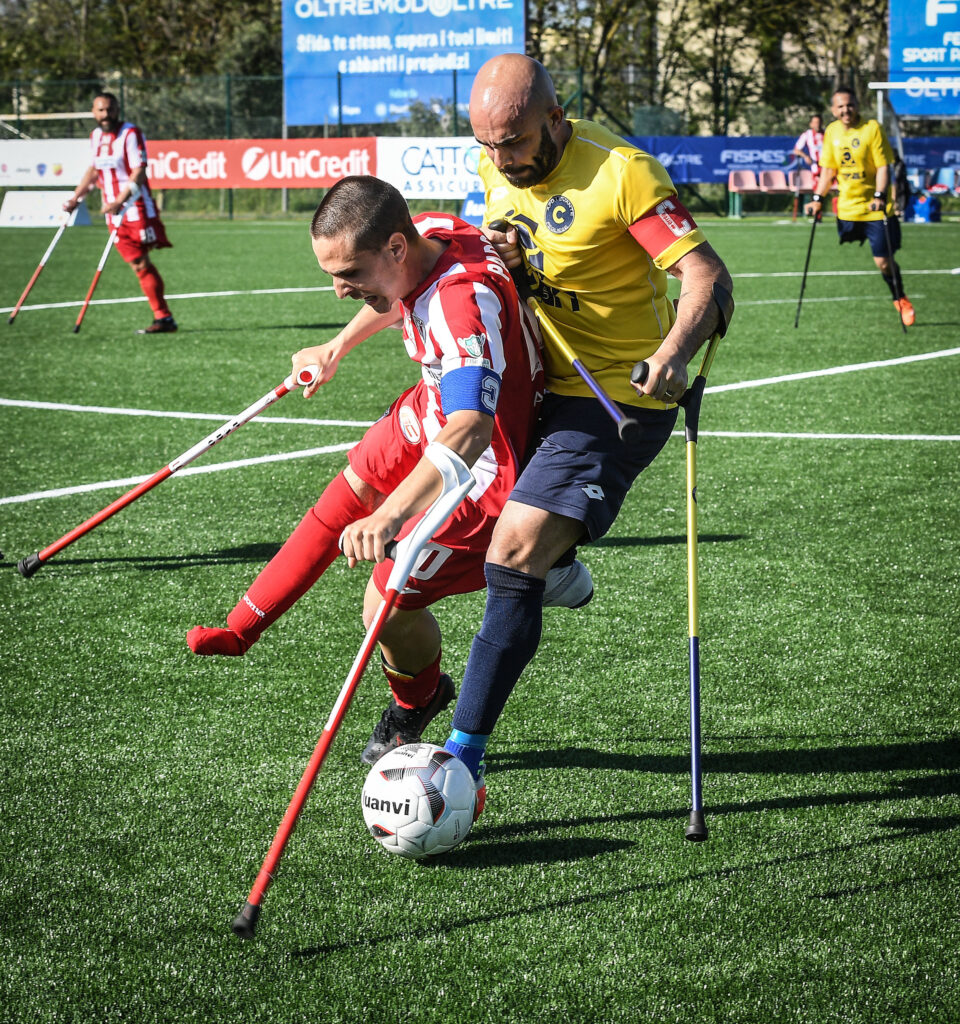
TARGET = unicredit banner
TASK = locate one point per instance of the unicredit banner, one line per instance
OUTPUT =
(258, 163)
(366, 61)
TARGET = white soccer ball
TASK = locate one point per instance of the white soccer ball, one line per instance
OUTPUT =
(418, 800)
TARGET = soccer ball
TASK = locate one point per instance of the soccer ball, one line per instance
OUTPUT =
(418, 800)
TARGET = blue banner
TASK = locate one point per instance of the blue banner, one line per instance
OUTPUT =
(925, 53)
(698, 159)
(366, 61)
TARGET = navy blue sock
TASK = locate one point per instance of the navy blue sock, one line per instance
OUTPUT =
(506, 643)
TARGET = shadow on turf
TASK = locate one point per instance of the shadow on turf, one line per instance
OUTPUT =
(275, 327)
(905, 827)
(153, 563)
(646, 542)
(624, 892)
(924, 754)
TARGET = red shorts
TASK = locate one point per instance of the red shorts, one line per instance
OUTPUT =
(450, 563)
(136, 238)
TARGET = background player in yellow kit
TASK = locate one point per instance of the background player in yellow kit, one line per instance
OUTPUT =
(596, 225)
(858, 155)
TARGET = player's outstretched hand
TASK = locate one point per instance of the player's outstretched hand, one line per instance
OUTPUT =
(507, 244)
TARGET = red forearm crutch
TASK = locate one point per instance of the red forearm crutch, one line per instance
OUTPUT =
(36, 273)
(96, 277)
(457, 482)
(29, 565)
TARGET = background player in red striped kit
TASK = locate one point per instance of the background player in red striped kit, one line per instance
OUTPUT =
(478, 394)
(119, 168)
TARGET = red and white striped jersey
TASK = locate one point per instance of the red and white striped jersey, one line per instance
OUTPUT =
(116, 155)
(811, 143)
(467, 314)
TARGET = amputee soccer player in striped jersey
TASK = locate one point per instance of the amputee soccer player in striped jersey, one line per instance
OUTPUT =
(119, 168)
(857, 153)
(481, 382)
(596, 226)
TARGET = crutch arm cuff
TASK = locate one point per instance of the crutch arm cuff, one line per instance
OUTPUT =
(724, 302)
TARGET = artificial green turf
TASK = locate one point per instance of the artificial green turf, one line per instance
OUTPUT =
(142, 785)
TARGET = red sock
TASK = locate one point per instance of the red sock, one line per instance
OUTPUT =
(413, 691)
(151, 284)
(291, 572)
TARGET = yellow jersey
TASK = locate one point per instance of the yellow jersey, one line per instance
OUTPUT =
(605, 293)
(855, 154)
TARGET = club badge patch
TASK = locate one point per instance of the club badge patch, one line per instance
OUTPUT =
(558, 214)
(473, 345)
(409, 424)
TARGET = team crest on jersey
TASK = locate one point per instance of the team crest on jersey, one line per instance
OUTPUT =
(473, 345)
(409, 424)
(855, 143)
(558, 214)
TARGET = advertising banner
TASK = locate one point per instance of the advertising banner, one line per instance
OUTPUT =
(704, 158)
(697, 159)
(421, 168)
(925, 53)
(40, 209)
(51, 162)
(257, 163)
(430, 168)
(366, 61)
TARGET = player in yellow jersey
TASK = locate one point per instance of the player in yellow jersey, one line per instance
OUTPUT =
(857, 154)
(597, 227)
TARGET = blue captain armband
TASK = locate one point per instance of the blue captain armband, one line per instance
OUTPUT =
(476, 388)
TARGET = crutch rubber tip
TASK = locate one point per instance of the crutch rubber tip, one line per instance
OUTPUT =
(696, 829)
(629, 430)
(10, 320)
(29, 565)
(76, 328)
(245, 923)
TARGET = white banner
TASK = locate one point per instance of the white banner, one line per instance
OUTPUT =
(37, 209)
(51, 162)
(430, 168)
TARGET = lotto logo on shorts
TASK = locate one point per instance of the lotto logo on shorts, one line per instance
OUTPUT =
(558, 214)
(593, 492)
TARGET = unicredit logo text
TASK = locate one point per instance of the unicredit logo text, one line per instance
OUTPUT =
(174, 167)
(258, 164)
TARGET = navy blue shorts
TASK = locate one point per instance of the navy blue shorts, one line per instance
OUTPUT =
(871, 231)
(581, 468)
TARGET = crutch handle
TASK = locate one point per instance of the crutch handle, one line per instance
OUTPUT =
(306, 375)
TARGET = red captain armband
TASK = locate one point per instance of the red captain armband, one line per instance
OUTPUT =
(662, 225)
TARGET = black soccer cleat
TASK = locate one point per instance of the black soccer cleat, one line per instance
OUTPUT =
(399, 726)
(162, 325)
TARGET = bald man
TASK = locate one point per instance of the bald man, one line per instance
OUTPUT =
(596, 227)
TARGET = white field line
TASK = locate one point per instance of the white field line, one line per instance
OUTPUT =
(238, 463)
(216, 467)
(182, 295)
(776, 434)
(329, 288)
(833, 370)
(215, 417)
(793, 302)
(835, 273)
